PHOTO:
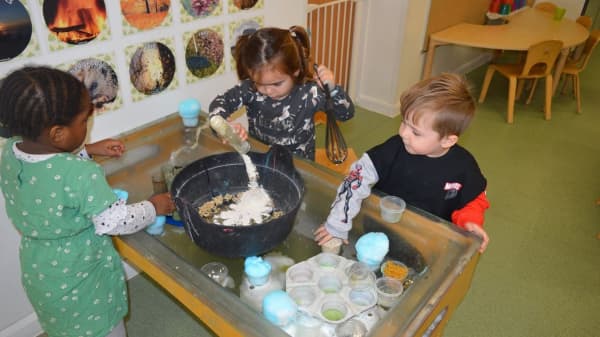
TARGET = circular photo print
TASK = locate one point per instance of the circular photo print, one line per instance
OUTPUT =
(244, 4)
(204, 53)
(198, 8)
(99, 78)
(144, 14)
(244, 28)
(152, 68)
(75, 21)
(15, 29)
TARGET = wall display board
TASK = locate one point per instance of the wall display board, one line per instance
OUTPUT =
(16, 31)
(137, 58)
(239, 28)
(151, 68)
(193, 9)
(204, 53)
(74, 22)
(144, 15)
(239, 5)
(99, 76)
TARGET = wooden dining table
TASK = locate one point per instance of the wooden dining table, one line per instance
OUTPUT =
(523, 29)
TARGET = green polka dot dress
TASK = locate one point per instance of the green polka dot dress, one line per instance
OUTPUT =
(74, 278)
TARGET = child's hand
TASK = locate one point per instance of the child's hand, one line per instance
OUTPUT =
(326, 77)
(162, 203)
(322, 236)
(479, 231)
(239, 129)
(106, 147)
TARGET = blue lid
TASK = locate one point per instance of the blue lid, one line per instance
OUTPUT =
(255, 266)
(279, 308)
(372, 247)
(121, 194)
(189, 108)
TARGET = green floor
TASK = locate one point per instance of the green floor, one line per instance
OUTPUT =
(541, 273)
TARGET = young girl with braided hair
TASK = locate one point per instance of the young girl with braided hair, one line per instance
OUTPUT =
(63, 207)
(279, 90)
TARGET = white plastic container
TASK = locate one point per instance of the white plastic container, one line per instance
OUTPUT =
(322, 287)
(332, 246)
(392, 208)
(388, 291)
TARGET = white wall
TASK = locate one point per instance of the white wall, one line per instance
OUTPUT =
(573, 7)
(380, 29)
(17, 318)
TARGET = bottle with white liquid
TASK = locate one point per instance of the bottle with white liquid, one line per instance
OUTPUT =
(258, 282)
(226, 132)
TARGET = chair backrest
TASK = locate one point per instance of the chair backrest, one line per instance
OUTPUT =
(545, 6)
(541, 58)
(590, 45)
(585, 21)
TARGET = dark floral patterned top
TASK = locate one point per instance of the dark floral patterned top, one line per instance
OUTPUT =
(289, 121)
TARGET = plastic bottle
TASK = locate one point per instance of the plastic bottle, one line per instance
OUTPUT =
(226, 132)
(280, 309)
(189, 111)
(256, 283)
(279, 264)
(494, 6)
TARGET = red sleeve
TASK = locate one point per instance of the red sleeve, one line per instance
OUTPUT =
(472, 212)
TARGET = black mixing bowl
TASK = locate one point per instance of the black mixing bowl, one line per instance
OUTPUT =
(224, 173)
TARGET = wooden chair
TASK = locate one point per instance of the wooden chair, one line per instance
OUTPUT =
(320, 117)
(573, 68)
(574, 56)
(585, 21)
(545, 6)
(538, 63)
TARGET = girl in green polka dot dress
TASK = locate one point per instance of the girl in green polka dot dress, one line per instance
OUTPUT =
(63, 207)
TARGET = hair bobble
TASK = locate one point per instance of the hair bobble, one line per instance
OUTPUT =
(293, 34)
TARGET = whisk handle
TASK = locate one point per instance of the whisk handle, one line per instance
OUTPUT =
(325, 85)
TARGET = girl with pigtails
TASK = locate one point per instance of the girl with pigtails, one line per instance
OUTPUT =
(280, 91)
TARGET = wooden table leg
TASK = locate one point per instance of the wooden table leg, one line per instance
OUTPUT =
(560, 64)
(429, 59)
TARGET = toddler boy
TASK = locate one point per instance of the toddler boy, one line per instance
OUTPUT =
(423, 164)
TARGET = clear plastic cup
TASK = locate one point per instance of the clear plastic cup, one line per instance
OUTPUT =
(351, 328)
(359, 272)
(388, 291)
(332, 246)
(334, 310)
(217, 271)
(392, 208)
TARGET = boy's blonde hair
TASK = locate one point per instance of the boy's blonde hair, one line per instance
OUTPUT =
(447, 97)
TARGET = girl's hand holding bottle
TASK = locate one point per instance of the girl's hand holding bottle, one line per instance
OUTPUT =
(240, 130)
(163, 203)
(106, 147)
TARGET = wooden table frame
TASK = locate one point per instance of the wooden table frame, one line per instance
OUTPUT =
(523, 29)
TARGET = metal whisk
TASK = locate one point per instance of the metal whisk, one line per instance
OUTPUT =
(335, 145)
